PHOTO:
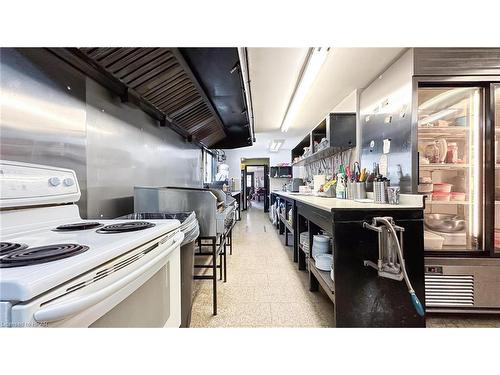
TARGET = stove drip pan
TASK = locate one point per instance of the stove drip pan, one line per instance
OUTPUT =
(9, 247)
(77, 226)
(125, 227)
(42, 254)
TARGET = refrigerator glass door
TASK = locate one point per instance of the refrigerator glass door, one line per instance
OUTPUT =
(497, 168)
(450, 134)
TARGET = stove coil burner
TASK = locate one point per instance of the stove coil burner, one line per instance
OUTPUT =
(77, 226)
(42, 254)
(125, 227)
(9, 247)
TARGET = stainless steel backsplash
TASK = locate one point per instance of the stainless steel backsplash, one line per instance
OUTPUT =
(51, 114)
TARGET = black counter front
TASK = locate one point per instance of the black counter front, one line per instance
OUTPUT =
(362, 298)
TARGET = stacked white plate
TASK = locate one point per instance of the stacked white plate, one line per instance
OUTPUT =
(304, 240)
(323, 262)
(321, 244)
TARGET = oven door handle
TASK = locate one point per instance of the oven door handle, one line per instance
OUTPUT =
(53, 313)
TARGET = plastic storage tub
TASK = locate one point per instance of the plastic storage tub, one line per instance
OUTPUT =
(432, 241)
(440, 196)
(442, 187)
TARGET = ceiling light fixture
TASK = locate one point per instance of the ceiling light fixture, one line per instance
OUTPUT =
(275, 145)
(314, 61)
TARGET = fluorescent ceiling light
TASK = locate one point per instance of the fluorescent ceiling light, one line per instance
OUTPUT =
(275, 145)
(315, 59)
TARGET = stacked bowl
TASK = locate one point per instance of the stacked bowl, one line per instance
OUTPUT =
(321, 245)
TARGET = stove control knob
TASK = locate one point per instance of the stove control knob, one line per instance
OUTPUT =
(68, 182)
(55, 181)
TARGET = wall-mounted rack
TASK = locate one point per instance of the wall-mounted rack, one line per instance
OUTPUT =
(334, 134)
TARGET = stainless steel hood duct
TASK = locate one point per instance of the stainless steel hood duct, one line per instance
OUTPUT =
(243, 55)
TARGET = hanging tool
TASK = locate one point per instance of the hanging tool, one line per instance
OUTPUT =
(391, 263)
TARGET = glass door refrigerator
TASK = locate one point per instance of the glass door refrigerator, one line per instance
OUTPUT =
(495, 89)
(458, 161)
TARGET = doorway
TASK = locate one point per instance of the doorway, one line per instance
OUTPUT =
(255, 182)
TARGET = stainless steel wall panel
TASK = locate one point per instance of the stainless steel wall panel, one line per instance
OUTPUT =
(51, 114)
(457, 61)
(42, 112)
(125, 147)
(386, 114)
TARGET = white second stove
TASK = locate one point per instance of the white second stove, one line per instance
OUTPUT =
(98, 276)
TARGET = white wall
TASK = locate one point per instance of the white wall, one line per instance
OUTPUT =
(348, 104)
(234, 156)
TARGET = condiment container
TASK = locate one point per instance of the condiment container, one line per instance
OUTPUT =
(452, 153)
(440, 196)
(442, 187)
(425, 188)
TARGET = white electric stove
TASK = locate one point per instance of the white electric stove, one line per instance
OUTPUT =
(59, 270)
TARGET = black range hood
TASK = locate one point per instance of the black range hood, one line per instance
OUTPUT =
(193, 91)
(217, 70)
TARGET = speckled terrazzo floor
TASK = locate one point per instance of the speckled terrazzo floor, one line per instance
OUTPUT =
(265, 288)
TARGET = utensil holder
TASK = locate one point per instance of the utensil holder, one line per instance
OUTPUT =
(359, 190)
(380, 191)
(350, 190)
(393, 194)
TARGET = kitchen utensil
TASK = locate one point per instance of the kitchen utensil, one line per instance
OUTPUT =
(350, 189)
(442, 187)
(443, 149)
(391, 262)
(356, 171)
(447, 223)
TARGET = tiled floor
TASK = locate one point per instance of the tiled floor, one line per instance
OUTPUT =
(265, 288)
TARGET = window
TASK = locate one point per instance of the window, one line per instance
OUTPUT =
(208, 166)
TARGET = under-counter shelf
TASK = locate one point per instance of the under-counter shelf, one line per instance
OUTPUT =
(324, 280)
(301, 247)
